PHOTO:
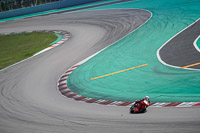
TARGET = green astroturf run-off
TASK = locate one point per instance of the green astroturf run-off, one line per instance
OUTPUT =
(162, 83)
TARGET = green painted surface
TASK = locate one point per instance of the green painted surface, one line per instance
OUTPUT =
(60, 37)
(160, 82)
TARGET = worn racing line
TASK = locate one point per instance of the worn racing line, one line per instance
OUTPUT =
(31, 103)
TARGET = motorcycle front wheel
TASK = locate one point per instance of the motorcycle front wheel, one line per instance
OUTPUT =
(131, 110)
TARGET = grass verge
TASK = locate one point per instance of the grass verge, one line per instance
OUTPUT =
(16, 47)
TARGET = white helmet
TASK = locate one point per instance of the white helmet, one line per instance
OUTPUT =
(147, 97)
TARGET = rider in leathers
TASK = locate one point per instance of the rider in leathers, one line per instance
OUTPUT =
(147, 99)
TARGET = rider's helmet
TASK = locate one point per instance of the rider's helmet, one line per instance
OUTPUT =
(146, 98)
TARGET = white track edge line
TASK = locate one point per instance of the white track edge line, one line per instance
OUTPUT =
(195, 44)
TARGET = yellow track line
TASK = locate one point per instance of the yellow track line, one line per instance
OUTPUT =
(118, 72)
(191, 65)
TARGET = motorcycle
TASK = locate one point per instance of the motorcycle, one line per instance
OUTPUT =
(139, 106)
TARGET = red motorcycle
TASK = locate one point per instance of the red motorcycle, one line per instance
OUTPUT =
(139, 106)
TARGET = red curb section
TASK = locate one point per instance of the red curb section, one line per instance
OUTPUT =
(62, 80)
(69, 71)
(65, 93)
(92, 100)
(171, 104)
(75, 66)
(62, 87)
(197, 104)
(106, 102)
(62, 84)
(124, 103)
(71, 95)
(80, 98)
(65, 76)
(152, 104)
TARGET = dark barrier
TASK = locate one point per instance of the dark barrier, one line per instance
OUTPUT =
(44, 7)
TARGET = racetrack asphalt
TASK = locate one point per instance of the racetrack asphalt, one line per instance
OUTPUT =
(31, 103)
(180, 51)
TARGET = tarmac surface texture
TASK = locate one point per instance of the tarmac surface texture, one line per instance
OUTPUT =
(31, 103)
(180, 50)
